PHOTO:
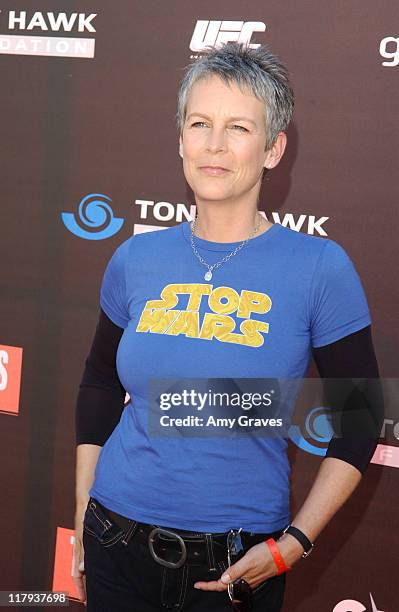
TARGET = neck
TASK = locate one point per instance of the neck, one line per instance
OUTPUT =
(229, 221)
(227, 230)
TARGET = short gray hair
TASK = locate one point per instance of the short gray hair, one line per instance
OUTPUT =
(258, 70)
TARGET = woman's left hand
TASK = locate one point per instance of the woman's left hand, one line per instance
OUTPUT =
(256, 565)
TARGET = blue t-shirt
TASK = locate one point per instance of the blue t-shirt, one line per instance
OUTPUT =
(258, 317)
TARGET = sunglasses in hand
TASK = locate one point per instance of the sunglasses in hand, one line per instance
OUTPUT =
(239, 591)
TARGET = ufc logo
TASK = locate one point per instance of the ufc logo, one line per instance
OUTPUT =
(216, 33)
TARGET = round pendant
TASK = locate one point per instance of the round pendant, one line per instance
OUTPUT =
(208, 275)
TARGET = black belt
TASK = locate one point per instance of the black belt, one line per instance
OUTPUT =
(167, 544)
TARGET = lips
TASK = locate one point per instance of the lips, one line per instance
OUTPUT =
(214, 170)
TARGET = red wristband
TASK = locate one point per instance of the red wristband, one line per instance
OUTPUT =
(277, 558)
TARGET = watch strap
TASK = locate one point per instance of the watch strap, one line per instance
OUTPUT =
(302, 539)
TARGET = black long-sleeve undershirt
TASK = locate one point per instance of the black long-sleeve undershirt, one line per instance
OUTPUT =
(101, 396)
(353, 357)
(100, 400)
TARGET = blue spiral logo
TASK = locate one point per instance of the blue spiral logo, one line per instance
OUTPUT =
(96, 218)
(318, 432)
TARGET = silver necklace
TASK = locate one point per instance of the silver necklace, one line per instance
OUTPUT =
(208, 274)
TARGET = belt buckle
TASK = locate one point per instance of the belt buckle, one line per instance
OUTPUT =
(154, 555)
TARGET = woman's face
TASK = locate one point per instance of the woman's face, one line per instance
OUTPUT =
(223, 141)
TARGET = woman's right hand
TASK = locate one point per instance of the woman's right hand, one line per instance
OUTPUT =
(78, 571)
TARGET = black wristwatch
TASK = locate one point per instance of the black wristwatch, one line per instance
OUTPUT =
(302, 539)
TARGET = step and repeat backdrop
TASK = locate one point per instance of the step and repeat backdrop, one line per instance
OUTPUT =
(89, 156)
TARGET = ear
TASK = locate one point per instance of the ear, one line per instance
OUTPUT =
(276, 151)
(181, 146)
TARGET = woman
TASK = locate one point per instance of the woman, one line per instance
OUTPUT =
(230, 295)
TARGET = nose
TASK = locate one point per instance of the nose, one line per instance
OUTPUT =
(216, 140)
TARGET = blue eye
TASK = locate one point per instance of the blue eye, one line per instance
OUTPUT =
(197, 123)
(240, 128)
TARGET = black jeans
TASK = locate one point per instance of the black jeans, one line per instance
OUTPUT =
(122, 576)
